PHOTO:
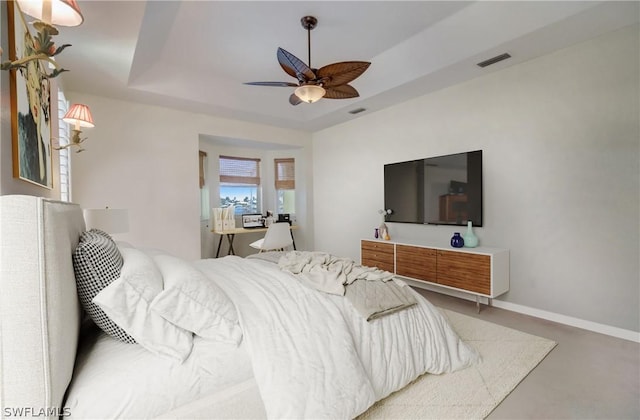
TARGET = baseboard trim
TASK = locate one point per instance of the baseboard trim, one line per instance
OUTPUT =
(538, 313)
(568, 320)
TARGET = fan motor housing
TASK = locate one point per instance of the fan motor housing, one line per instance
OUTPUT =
(309, 22)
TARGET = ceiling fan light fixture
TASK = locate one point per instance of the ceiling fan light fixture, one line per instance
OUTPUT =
(330, 81)
(310, 93)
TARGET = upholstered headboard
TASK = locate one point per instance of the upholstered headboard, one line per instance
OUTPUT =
(39, 309)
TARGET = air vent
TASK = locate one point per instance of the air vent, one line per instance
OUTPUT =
(357, 111)
(494, 60)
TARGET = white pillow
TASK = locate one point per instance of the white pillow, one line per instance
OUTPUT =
(195, 303)
(127, 302)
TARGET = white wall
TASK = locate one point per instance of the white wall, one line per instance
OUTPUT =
(145, 158)
(560, 138)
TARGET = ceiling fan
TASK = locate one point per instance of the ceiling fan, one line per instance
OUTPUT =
(330, 81)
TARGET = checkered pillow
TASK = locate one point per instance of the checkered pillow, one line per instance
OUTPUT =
(101, 233)
(97, 262)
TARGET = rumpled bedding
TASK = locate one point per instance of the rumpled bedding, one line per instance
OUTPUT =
(314, 356)
(374, 299)
(327, 272)
(370, 290)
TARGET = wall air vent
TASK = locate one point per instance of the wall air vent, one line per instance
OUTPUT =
(494, 60)
(357, 111)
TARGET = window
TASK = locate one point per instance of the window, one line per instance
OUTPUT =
(63, 140)
(285, 185)
(240, 184)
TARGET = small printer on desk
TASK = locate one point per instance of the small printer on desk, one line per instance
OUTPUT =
(252, 220)
(284, 217)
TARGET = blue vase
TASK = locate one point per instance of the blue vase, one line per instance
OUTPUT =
(457, 241)
(470, 239)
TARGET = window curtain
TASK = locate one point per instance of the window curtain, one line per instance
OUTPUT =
(202, 157)
(63, 140)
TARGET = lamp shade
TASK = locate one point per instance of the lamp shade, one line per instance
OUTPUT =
(108, 220)
(79, 115)
(54, 12)
(310, 93)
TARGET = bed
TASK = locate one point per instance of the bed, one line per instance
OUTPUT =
(217, 338)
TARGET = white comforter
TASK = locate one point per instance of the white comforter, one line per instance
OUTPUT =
(314, 356)
(329, 273)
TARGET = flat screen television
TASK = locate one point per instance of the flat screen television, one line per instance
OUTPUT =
(442, 190)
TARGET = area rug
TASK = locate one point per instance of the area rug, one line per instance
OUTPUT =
(508, 356)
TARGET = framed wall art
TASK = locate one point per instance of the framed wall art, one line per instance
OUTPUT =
(30, 106)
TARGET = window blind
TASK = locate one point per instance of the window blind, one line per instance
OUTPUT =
(63, 140)
(237, 170)
(285, 174)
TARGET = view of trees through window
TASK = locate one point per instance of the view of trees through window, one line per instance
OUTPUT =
(240, 184)
(285, 184)
(243, 197)
(286, 201)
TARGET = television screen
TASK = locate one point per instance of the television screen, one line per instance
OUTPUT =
(442, 190)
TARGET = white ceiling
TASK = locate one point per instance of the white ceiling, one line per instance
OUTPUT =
(196, 55)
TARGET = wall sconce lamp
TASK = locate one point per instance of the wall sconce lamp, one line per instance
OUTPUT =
(47, 13)
(53, 12)
(80, 116)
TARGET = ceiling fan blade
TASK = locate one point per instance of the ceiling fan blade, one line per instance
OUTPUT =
(341, 92)
(294, 100)
(294, 66)
(337, 74)
(278, 84)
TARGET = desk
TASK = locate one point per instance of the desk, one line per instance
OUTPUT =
(231, 234)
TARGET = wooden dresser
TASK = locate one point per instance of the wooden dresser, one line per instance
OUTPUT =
(378, 254)
(480, 271)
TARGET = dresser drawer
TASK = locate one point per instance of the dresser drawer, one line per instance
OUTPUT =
(465, 271)
(377, 254)
(416, 262)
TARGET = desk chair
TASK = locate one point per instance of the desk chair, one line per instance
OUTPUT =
(277, 238)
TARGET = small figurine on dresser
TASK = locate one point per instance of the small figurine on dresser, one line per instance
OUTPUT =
(385, 234)
(383, 230)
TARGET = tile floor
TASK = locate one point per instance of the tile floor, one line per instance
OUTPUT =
(587, 376)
